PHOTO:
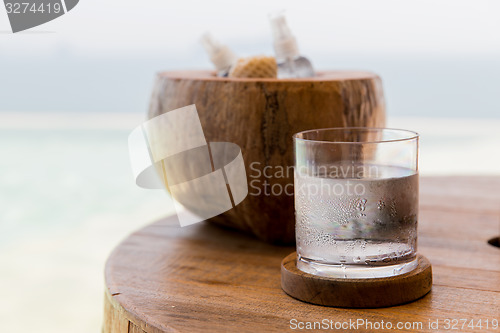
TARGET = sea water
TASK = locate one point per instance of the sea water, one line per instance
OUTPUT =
(359, 224)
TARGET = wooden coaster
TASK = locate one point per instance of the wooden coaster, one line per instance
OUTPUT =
(356, 293)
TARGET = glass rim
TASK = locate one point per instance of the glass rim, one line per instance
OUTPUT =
(411, 135)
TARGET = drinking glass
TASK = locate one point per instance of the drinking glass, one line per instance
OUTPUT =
(356, 201)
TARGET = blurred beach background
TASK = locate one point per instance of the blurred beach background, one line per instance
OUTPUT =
(71, 91)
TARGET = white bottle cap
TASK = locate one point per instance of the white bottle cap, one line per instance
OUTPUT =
(220, 55)
(285, 44)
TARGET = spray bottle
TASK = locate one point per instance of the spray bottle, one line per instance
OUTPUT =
(290, 63)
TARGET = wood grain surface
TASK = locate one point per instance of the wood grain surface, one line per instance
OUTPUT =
(260, 116)
(204, 278)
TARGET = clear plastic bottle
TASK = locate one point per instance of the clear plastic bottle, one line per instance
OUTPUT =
(290, 63)
(220, 55)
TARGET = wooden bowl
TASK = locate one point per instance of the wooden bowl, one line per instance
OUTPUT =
(261, 115)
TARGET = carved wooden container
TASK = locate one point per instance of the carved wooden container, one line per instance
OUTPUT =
(261, 115)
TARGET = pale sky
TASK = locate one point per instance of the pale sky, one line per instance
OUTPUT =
(436, 58)
(123, 27)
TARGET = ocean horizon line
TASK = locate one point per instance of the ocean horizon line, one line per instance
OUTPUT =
(122, 120)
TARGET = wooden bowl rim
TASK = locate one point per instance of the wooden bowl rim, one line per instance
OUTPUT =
(321, 76)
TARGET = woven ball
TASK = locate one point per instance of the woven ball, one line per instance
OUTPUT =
(255, 67)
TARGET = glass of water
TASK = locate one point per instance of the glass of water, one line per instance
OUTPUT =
(356, 201)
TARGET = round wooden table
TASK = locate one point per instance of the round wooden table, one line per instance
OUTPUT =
(203, 278)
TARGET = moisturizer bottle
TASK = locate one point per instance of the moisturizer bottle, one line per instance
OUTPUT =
(220, 55)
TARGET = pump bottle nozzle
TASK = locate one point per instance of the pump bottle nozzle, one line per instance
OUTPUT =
(220, 55)
(285, 44)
